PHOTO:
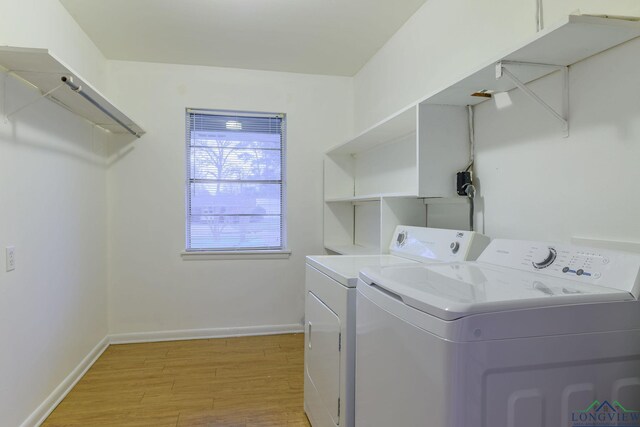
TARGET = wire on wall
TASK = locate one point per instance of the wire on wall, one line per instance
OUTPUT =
(472, 137)
(539, 15)
(468, 187)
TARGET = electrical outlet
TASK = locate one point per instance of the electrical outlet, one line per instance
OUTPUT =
(11, 258)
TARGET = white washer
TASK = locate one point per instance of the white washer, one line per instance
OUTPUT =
(531, 335)
(330, 313)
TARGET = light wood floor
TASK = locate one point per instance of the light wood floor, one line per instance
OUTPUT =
(247, 381)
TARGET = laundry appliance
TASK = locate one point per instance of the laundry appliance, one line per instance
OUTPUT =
(330, 313)
(532, 334)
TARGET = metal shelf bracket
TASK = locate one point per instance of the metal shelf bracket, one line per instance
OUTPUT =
(30, 103)
(502, 71)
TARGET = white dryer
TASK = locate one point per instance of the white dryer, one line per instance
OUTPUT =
(531, 335)
(330, 313)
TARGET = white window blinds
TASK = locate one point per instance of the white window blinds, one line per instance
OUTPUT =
(235, 188)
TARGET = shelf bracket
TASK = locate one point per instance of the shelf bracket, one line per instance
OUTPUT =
(502, 71)
(29, 104)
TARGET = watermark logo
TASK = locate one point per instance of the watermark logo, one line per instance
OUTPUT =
(609, 414)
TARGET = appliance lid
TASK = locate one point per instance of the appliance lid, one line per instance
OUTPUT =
(454, 290)
(345, 268)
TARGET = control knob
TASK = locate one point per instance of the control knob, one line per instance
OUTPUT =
(544, 257)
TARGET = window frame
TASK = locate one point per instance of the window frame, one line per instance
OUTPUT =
(230, 253)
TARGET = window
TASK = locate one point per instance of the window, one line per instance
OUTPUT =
(236, 187)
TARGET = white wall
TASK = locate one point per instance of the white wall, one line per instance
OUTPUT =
(536, 184)
(151, 287)
(533, 183)
(53, 210)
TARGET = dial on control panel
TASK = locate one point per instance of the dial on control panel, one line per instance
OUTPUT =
(544, 257)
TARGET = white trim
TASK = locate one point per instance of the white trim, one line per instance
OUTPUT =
(193, 334)
(41, 413)
(209, 255)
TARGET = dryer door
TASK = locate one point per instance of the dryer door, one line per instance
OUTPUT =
(323, 353)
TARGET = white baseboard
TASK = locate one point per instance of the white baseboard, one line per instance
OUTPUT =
(194, 334)
(38, 416)
(42, 412)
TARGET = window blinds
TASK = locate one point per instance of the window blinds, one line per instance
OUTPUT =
(235, 189)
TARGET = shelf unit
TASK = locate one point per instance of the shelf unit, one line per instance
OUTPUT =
(42, 70)
(379, 179)
(419, 160)
(366, 227)
(374, 181)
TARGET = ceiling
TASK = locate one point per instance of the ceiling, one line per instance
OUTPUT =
(334, 37)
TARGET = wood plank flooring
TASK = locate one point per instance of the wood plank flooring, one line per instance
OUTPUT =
(245, 381)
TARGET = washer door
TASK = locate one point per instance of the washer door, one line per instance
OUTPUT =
(323, 353)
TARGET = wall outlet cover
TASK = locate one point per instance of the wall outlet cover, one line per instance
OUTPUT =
(10, 253)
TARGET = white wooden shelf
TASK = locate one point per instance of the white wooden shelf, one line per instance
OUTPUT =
(575, 38)
(458, 200)
(369, 197)
(41, 69)
(398, 125)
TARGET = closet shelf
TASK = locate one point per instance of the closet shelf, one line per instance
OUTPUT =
(41, 69)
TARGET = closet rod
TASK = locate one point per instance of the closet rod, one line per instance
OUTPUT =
(68, 80)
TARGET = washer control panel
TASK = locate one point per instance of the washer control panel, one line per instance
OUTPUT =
(614, 269)
(435, 244)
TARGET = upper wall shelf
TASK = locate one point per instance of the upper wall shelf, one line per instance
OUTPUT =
(575, 38)
(400, 124)
(40, 68)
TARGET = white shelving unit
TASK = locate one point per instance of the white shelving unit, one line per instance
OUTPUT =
(378, 179)
(366, 227)
(386, 175)
(41, 69)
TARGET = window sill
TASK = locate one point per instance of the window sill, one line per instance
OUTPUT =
(211, 255)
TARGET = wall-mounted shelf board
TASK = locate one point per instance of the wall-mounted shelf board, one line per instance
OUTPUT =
(353, 250)
(575, 38)
(40, 68)
(398, 125)
(460, 200)
(369, 197)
